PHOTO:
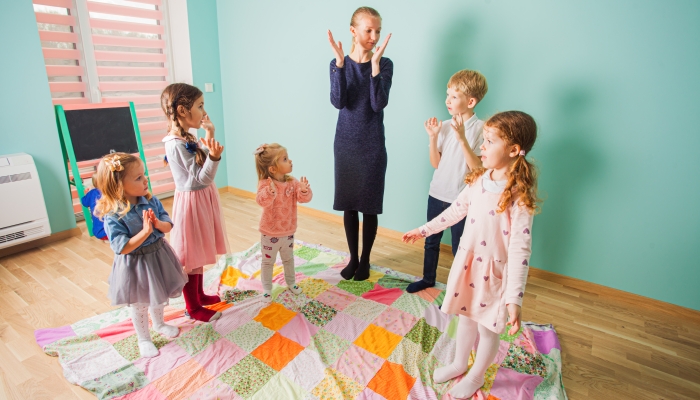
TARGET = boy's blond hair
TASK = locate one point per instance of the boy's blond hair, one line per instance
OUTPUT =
(471, 83)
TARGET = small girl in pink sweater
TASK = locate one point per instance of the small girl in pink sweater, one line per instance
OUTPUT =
(278, 194)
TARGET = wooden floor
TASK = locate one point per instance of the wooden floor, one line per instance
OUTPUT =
(615, 345)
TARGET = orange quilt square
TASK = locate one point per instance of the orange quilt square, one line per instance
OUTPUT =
(277, 352)
(392, 381)
(378, 340)
(274, 316)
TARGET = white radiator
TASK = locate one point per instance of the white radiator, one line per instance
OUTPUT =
(23, 215)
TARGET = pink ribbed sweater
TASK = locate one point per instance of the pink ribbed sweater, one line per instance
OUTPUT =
(279, 215)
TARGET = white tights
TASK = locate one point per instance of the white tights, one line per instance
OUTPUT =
(139, 317)
(485, 353)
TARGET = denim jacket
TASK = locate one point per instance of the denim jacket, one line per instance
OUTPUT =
(120, 230)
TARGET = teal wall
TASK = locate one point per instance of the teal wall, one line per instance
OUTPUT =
(613, 87)
(204, 47)
(30, 125)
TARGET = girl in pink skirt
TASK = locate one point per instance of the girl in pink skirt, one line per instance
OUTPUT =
(487, 279)
(198, 234)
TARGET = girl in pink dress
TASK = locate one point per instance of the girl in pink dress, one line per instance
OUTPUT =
(488, 276)
(198, 233)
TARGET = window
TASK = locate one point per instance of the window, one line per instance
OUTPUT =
(103, 51)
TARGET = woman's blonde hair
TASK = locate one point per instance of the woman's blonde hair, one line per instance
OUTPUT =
(515, 127)
(111, 172)
(266, 156)
(181, 94)
(356, 19)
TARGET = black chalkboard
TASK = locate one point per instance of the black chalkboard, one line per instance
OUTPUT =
(99, 131)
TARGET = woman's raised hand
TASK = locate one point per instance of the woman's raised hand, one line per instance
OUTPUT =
(379, 51)
(337, 50)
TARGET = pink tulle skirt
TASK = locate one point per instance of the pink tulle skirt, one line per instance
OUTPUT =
(199, 233)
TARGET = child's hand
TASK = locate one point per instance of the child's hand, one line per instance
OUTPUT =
(411, 236)
(513, 318)
(215, 148)
(147, 223)
(207, 125)
(152, 217)
(304, 185)
(337, 50)
(272, 185)
(379, 51)
(433, 127)
(458, 126)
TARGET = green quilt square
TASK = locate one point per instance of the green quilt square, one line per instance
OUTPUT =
(129, 346)
(410, 355)
(311, 269)
(198, 339)
(307, 253)
(391, 282)
(439, 299)
(329, 346)
(318, 313)
(329, 259)
(117, 383)
(248, 376)
(412, 304)
(250, 336)
(424, 335)
(358, 288)
(426, 369)
(75, 346)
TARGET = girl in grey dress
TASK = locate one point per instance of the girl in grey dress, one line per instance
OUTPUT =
(146, 272)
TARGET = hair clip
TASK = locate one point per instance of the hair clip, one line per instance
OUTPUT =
(113, 163)
(260, 149)
(522, 153)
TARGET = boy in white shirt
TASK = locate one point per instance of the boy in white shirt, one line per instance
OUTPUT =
(454, 152)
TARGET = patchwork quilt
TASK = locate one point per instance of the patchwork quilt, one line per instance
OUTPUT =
(336, 340)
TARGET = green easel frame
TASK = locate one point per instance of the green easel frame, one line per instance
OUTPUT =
(69, 153)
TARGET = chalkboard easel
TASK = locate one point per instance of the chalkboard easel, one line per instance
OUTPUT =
(90, 131)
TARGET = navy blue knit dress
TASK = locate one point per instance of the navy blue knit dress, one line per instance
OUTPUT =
(360, 153)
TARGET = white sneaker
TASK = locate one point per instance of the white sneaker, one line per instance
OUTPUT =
(267, 297)
(295, 289)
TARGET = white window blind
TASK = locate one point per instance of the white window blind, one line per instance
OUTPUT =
(110, 51)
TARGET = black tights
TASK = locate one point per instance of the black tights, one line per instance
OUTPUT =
(352, 231)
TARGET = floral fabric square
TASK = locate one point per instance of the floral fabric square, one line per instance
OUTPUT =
(318, 313)
(250, 336)
(313, 287)
(328, 346)
(424, 334)
(197, 339)
(248, 376)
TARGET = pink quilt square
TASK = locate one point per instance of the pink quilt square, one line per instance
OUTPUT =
(369, 394)
(336, 298)
(249, 284)
(116, 332)
(395, 321)
(231, 319)
(171, 356)
(215, 389)
(279, 279)
(299, 330)
(220, 356)
(421, 392)
(359, 364)
(149, 392)
(435, 317)
(346, 326)
(383, 295)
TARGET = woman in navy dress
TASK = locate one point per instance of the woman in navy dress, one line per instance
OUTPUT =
(360, 84)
